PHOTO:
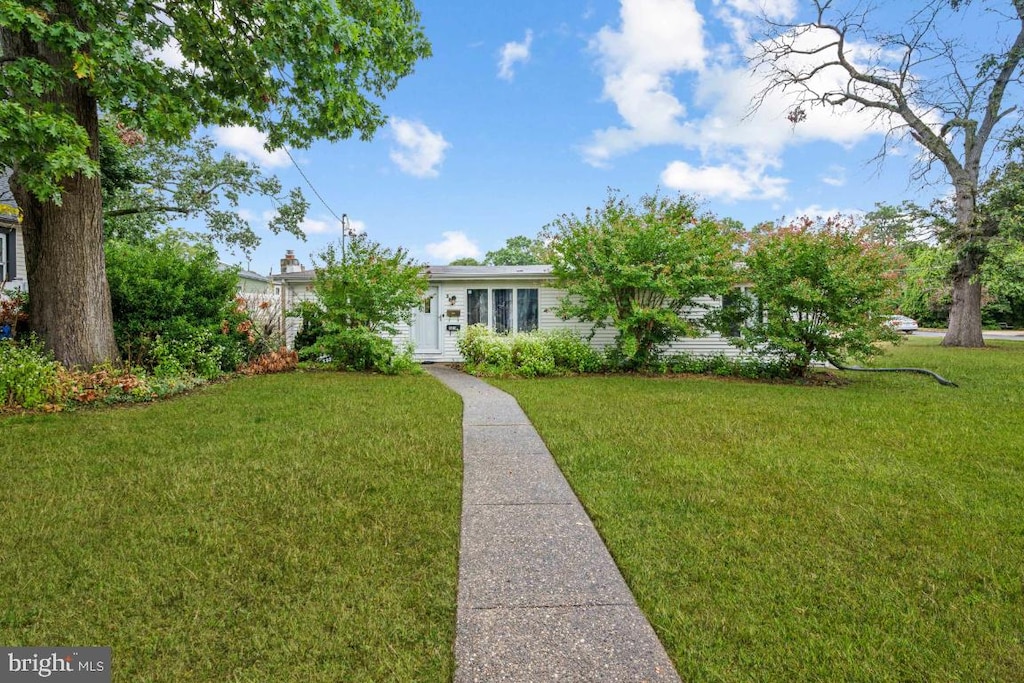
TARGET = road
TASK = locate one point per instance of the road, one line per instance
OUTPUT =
(1010, 335)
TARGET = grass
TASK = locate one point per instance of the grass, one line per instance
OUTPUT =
(802, 533)
(299, 527)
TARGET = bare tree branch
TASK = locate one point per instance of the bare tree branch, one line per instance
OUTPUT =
(915, 75)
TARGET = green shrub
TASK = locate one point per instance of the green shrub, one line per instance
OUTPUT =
(198, 352)
(640, 268)
(168, 289)
(471, 344)
(27, 373)
(818, 292)
(358, 348)
(402, 363)
(530, 355)
(527, 354)
(572, 353)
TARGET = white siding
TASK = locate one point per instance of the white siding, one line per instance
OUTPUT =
(711, 345)
(453, 297)
(19, 248)
(548, 299)
(291, 295)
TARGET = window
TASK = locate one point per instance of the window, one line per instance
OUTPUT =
(8, 255)
(425, 304)
(729, 301)
(515, 310)
(526, 305)
(476, 305)
(732, 301)
(503, 311)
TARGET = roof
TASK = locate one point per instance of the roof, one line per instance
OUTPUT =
(243, 273)
(298, 276)
(488, 272)
(7, 197)
(439, 273)
(252, 275)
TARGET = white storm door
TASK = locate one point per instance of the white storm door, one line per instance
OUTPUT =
(426, 324)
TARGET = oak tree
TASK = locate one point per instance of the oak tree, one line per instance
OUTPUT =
(296, 71)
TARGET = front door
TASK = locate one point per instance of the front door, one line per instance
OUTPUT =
(426, 324)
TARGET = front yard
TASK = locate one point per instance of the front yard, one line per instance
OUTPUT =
(299, 527)
(774, 532)
(304, 527)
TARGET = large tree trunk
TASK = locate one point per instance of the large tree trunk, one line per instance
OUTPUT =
(965, 315)
(67, 278)
(69, 301)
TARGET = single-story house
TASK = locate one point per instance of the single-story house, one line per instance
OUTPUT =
(505, 298)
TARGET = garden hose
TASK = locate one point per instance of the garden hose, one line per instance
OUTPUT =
(921, 371)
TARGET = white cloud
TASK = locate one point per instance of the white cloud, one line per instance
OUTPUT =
(661, 50)
(513, 53)
(170, 54)
(250, 144)
(835, 175)
(773, 9)
(726, 181)
(656, 39)
(330, 226)
(454, 245)
(419, 151)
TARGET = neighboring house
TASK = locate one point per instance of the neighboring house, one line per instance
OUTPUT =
(505, 298)
(292, 285)
(12, 248)
(251, 282)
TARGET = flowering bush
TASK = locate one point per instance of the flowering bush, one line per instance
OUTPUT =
(13, 311)
(818, 291)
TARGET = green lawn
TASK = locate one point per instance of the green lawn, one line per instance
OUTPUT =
(800, 533)
(299, 527)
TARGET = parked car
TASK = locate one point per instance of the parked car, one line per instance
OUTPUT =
(902, 323)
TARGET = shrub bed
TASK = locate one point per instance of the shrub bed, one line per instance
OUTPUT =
(527, 354)
(562, 352)
(31, 379)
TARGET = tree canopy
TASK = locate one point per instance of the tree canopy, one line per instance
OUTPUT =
(953, 95)
(518, 251)
(295, 71)
(641, 268)
(153, 184)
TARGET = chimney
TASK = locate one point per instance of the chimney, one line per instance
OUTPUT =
(290, 264)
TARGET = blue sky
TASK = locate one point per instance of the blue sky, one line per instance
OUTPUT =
(530, 109)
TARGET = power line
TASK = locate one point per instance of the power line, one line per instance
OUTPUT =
(227, 57)
(311, 187)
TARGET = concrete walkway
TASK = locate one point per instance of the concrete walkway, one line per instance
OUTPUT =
(540, 598)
